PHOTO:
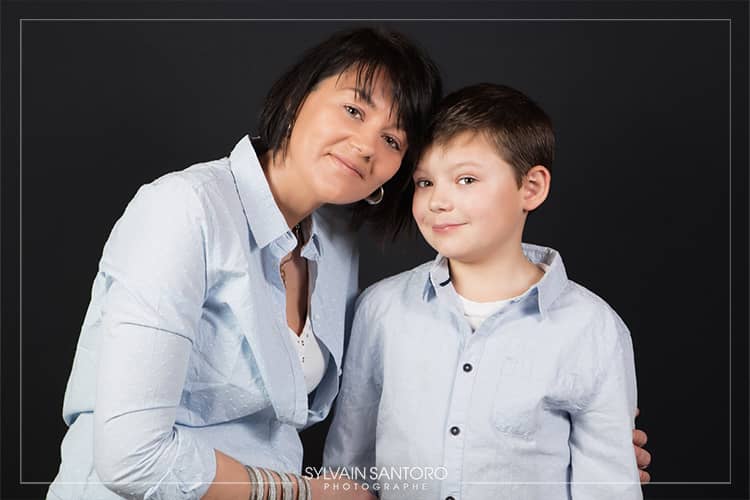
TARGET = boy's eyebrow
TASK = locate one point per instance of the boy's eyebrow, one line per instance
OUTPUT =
(466, 163)
(455, 166)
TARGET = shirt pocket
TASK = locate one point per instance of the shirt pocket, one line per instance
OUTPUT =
(517, 408)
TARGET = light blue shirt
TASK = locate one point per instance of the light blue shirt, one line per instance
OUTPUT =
(184, 348)
(537, 403)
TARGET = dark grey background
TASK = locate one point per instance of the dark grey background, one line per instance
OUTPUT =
(640, 205)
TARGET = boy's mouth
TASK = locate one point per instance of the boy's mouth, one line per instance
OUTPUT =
(444, 228)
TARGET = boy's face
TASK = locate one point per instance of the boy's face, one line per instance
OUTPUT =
(467, 203)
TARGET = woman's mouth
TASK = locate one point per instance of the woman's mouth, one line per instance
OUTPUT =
(349, 166)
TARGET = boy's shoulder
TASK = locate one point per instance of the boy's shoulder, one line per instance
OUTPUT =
(587, 299)
(562, 297)
(589, 315)
(403, 287)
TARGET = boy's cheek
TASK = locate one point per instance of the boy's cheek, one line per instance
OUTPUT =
(418, 218)
(415, 211)
(420, 225)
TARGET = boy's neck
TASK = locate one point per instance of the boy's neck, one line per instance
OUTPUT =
(503, 275)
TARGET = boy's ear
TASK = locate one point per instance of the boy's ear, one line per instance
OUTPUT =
(535, 187)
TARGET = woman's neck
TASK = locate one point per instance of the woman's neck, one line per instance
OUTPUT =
(288, 190)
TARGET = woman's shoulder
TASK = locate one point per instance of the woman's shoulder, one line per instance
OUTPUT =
(197, 177)
(202, 186)
(185, 199)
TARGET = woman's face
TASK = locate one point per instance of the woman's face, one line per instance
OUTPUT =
(344, 143)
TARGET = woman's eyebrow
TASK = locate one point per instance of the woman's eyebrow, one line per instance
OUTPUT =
(363, 95)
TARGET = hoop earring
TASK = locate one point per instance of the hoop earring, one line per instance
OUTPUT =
(374, 200)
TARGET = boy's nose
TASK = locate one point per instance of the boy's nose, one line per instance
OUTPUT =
(439, 202)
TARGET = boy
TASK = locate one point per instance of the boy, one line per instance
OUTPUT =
(486, 370)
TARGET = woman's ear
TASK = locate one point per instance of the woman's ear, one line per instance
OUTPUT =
(535, 187)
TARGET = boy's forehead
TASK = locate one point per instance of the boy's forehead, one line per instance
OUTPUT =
(463, 146)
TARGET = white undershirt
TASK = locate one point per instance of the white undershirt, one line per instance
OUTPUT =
(312, 357)
(314, 362)
(476, 312)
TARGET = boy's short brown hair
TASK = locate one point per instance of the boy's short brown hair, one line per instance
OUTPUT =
(516, 125)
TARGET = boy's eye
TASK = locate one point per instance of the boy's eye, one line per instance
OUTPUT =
(422, 183)
(466, 180)
(353, 112)
(392, 142)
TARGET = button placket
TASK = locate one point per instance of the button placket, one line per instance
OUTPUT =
(463, 385)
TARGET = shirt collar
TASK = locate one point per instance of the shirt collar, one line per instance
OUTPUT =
(264, 218)
(548, 289)
(438, 276)
(313, 249)
(554, 280)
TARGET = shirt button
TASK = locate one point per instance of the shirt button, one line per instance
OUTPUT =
(455, 430)
(468, 367)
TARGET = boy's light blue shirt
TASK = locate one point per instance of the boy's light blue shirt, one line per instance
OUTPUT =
(184, 348)
(538, 402)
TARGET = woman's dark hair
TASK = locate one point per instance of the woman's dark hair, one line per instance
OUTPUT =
(416, 90)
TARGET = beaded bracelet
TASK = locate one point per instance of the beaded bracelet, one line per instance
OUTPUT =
(296, 480)
(257, 491)
(271, 484)
(261, 477)
(308, 490)
(301, 487)
(287, 490)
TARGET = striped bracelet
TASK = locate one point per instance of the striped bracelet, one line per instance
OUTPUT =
(260, 477)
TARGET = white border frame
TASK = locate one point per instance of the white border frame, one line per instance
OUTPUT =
(20, 182)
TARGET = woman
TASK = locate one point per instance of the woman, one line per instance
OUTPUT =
(184, 350)
(216, 325)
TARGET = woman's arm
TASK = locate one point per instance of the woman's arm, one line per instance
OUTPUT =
(154, 269)
(232, 483)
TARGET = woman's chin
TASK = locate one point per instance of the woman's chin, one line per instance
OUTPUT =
(341, 195)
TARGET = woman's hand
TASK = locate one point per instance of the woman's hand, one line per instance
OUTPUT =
(642, 457)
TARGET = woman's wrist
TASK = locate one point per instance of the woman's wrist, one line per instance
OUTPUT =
(271, 485)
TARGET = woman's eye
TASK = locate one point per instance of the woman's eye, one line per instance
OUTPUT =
(353, 112)
(467, 180)
(422, 183)
(392, 142)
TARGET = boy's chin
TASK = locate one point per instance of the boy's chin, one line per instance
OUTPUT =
(452, 253)
(455, 249)
(461, 255)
